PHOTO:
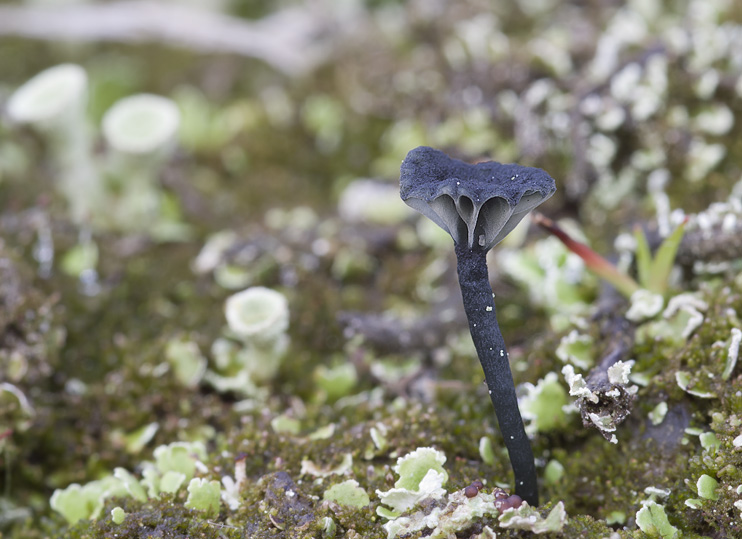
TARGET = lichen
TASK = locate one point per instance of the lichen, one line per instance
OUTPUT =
(633, 108)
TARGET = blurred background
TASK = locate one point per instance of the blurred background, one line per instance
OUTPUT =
(159, 157)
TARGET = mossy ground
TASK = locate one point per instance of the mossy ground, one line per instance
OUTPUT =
(93, 367)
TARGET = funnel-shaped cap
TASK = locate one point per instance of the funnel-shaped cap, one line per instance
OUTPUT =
(49, 95)
(477, 204)
(141, 124)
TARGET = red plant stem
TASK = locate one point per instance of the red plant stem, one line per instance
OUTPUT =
(594, 262)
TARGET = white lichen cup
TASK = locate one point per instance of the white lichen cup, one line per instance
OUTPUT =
(140, 132)
(53, 103)
(141, 124)
(255, 341)
(257, 314)
(50, 99)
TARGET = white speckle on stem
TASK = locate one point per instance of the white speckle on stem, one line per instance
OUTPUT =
(732, 353)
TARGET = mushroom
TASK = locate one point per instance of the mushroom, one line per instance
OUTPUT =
(479, 205)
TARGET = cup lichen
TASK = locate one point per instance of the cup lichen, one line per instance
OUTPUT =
(53, 102)
(254, 342)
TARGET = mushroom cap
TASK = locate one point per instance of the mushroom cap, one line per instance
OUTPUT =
(477, 204)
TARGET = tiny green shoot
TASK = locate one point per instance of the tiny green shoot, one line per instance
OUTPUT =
(652, 272)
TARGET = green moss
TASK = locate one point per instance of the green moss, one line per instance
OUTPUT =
(106, 389)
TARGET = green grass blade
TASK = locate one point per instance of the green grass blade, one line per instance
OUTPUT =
(643, 258)
(664, 260)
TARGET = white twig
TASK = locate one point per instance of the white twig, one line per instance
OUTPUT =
(287, 40)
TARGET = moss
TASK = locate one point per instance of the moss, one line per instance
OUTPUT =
(164, 518)
(94, 367)
(599, 478)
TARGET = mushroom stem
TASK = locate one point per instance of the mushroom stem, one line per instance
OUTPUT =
(479, 305)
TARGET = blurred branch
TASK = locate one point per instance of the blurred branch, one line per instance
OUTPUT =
(288, 40)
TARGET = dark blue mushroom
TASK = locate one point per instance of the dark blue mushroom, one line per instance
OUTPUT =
(479, 205)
